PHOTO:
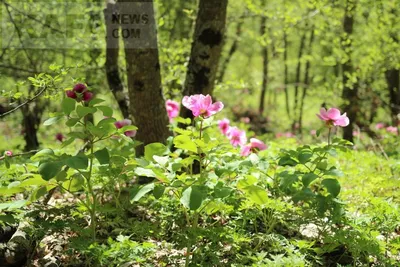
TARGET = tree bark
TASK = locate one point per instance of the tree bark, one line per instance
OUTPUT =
(350, 92)
(393, 82)
(147, 104)
(298, 80)
(264, 53)
(232, 50)
(306, 81)
(206, 49)
(111, 65)
(286, 73)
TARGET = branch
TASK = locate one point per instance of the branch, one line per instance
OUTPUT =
(20, 154)
(25, 103)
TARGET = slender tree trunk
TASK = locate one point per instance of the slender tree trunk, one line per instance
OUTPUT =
(111, 65)
(147, 104)
(232, 50)
(306, 80)
(298, 80)
(206, 49)
(264, 52)
(393, 82)
(350, 92)
(286, 73)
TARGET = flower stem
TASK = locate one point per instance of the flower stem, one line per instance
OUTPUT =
(329, 136)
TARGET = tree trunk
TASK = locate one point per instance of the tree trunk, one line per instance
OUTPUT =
(306, 80)
(264, 53)
(111, 65)
(206, 49)
(32, 116)
(286, 74)
(147, 104)
(232, 50)
(298, 80)
(393, 82)
(350, 92)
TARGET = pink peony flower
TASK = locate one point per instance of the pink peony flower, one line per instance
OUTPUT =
(8, 153)
(332, 117)
(172, 109)
(392, 129)
(71, 94)
(59, 137)
(254, 146)
(236, 136)
(87, 96)
(79, 88)
(201, 105)
(313, 132)
(289, 135)
(380, 125)
(223, 125)
(125, 122)
(245, 120)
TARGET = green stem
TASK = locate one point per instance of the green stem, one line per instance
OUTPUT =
(329, 136)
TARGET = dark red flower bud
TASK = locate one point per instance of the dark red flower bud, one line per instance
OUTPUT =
(79, 88)
(60, 137)
(71, 94)
(87, 96)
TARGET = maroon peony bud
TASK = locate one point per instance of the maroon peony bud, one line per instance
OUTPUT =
(79, 88)
(87, 96)
(60, 137)
(71, 94)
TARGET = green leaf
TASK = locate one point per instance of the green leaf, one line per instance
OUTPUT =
(158, 191)
(144, 172)
(83, 111)
(76, 183)
(288, 179)
(49, 170)
(68, 105)
(332, 186)
(304, 157)
(102, 156)
(184, 142)
(193, 197)
(287, 161)
(107, 111)
(308, 178)
(256, 194)
(44, 154)
(246, 181)
(77, 162)
(95, 101)
(51, 121)
(154, 149)
(137, 194)
(322, 165)
(71, 122)
(222, 192)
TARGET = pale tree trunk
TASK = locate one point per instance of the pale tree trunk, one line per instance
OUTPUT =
(350, 92)
(147, 104)
(206, 49)
(286, 73)
(111, 65)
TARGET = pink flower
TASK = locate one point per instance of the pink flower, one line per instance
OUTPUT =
(223, 125)
(236, 136)
(79, 88)
(87, 96)
(391, 129)
(254, 146)
(313, 132)
(125, 122)
(245, 120)
(172, 109)
(201, 105)
(59, 137)
(289, 134)
(71, 94)
(8, 153)
(380, 125)
(333, 117)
